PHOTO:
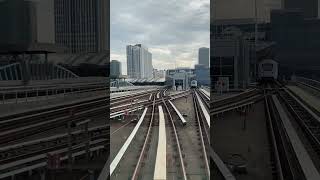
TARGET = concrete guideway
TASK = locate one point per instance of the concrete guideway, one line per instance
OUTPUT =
(178, 113)
(125, 146)
(204, 110)
(307, 165)
(205, 92)
(160, 172)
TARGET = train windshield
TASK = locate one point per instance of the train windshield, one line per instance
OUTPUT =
(267, 67)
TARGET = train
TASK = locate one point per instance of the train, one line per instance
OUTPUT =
(268, 70)
(194, 84)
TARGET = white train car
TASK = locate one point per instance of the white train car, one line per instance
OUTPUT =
(268, 69)
(194, 84)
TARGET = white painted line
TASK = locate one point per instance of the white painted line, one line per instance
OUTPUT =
(158, 95)
(150, 97)
(204, 110)
(179, 114)
(125, 146)
(160, 171)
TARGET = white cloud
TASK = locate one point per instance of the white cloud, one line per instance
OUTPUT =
(173, 30)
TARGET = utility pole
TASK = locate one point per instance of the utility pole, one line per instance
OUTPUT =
(255, 37)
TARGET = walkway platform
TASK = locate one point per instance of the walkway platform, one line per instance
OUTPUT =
(311, 99)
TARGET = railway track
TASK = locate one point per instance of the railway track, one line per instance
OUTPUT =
(288, 160)
(19, 126)
(137, 173)
(26, 150)
(284, 163)
(236, 99)
(40, 160)
(174, 170)
(204, 98)
(202, 134)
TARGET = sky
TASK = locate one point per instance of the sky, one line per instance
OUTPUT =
(172, 30)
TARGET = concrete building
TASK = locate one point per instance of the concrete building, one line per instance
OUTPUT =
(180, 78)
(139, 62)
(158, 73)
(115, 68)
(81, 25)
(297, 43)
(204, 56)
(202, 73)
(231, 60)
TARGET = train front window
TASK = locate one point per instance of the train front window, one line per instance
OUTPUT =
(267, 67)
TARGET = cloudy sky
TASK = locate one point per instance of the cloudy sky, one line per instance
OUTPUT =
(173, 30)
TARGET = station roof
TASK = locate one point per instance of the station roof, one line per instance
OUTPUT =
(146, 80)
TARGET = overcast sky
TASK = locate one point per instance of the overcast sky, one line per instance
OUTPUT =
(173, 30)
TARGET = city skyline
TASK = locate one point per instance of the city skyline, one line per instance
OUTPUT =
(159, 26)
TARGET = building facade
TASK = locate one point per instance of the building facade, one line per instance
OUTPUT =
(180, 78)
(115, 68)
(139, 62)
(81, 25)
(202, 74)
(232, 60)
(234, 9)
(204, 56)
(158, 73)
(18, 22)
(309, 8)
(297, 43)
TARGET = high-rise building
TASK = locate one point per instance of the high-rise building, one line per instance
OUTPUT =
(139, 62)
(81, 25)
(204, 56)
(115, 68)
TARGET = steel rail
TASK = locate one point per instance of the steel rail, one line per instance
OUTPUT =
(184, 174)
(196, 108)
(138, 165)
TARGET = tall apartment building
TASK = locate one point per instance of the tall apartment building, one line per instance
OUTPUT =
(139, 62)
(81, 25)
(204, 56)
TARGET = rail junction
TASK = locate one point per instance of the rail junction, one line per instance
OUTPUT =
(272, 132)
(151, 136)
